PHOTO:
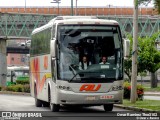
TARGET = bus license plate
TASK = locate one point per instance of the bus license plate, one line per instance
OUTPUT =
(107, 97)
(91, 98)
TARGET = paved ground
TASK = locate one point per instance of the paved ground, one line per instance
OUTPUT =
(26, 103)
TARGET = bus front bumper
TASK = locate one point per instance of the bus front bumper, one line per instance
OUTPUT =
(70, 97)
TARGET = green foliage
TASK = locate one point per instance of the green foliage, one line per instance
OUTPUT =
(26, 88)
(10, 83)
(143, 74)
(3, 88)
(157, 89)
(15, 88)
(19, 88)
(127, 91)
(157, 5)
(145, 104)
(128, 62)
(127, 88)
(128, 67)
(22, 82)
(155, 2)
(149, 56)
(144, 2)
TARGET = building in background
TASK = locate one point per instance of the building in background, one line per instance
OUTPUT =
(17, 60)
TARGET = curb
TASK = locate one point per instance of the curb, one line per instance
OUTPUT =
(136, 108)
(149, 94)
(15, 93)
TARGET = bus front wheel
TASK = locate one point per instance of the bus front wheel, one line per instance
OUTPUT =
(108, 107)
(54, 107)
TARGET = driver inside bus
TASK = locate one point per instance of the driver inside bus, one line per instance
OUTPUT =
(104, 60)
(84, 63)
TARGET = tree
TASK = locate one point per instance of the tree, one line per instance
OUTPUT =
(128, 67)
(155, 2)
(149, 57)
(128, 61)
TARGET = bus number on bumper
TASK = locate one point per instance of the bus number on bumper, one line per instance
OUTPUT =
(107, 97)
(91, 98)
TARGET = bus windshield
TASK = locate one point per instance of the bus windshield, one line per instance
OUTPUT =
(89, 53)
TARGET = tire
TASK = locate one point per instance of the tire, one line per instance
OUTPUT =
(108, 107)
(53, 107)
(38, 103)
(45, 104)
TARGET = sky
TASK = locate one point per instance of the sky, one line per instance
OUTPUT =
(112, 3)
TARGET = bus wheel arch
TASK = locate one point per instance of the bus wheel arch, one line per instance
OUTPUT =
(54, 107)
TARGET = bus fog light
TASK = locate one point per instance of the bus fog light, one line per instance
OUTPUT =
(60, 87)
(115, 88)
(64, 88)
(68, 88)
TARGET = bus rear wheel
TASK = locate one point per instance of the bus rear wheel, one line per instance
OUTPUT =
(108, 107)
(38, 103)
(45, 104)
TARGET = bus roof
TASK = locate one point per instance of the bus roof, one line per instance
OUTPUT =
(73, 17)
(75, 20)
(87, 21)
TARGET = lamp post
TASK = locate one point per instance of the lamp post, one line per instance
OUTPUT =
(25, 6)
(76, 8)
(72, 7)
(109, 6)
(58, 2)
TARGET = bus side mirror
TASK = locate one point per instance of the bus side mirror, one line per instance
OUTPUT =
(53, 48)
(126, 48)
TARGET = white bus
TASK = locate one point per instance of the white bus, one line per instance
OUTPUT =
(56, 50)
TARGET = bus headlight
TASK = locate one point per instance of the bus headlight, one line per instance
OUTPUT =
(116, 88)
(64, 88)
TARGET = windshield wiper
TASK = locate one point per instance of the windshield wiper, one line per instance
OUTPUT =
(75, 73)
(73, 77)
